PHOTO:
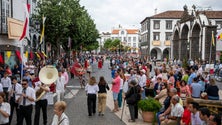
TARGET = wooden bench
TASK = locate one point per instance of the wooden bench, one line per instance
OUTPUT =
(214, 106)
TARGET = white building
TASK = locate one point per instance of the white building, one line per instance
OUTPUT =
(156, 32)
(102, 38)
(14, 9)
(128, 37)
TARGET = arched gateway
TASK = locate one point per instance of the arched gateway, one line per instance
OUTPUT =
(192, 37)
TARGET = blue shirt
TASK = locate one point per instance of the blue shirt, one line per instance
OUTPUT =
(190, 79)
(196, 89)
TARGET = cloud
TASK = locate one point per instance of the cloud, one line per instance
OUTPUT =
(110, 13)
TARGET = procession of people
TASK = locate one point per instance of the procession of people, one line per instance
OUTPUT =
(170, 84)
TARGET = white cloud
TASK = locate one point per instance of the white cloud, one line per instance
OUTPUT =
(111, 13)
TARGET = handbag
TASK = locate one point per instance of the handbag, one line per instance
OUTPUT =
(133, 98)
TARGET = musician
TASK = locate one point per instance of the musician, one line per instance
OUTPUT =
(41, 102)
(6, 84)
(26, 100)
(60, 86)
(13, 90)
(4, 110)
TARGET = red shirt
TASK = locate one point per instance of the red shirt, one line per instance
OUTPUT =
(186, 116)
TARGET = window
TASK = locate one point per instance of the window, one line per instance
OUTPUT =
(134, 44)
(168, 35)
(134, 39)
(156, 36)
(156, 24)
(5, 12)
(129, 44)
(122, 32)
(124, 39)
(219, 24)
(169, 24)
(129, 39)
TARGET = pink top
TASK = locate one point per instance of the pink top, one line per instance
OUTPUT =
(65, 74)
(185, 90)
(171, 79)
(116, 84)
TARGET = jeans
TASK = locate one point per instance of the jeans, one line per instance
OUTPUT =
(120, 98)
(157, 117)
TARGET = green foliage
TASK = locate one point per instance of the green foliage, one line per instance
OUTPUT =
(67, 18)
(149, 104)
(107, 43)
(185, 63)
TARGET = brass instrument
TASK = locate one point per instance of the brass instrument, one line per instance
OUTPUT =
(47, 75)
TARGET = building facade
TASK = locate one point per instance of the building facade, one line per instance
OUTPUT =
(15, 9)
(194, 35)
(128, 37)
(102, 38)
(156, 32)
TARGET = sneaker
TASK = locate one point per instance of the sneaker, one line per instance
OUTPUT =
(102, 114)
(130, 120)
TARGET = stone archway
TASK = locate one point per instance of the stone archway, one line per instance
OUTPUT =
(195, 43)
(184, 51)
(166, 53)
(156, 52)
(176, 45)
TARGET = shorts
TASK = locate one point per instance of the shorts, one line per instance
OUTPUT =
(115, 96)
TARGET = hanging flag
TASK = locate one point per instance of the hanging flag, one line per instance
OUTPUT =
(27, 10)
(219, 35)
(212, 39)
(18, 55)
(8, 54)
(26, 54)
(43, 29)
(69, 42)
(1, 59)
(44, 54)
(37, 55)
(31, 55)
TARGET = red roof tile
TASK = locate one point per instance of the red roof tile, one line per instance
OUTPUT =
(129, 31)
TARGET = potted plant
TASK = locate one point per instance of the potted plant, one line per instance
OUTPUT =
(149, 108)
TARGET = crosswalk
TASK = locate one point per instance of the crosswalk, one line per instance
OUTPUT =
(71, 91)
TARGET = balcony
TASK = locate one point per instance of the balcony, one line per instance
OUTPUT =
(143, 43)
(167, 43)
(156, 43)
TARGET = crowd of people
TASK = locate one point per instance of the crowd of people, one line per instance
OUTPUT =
(21, 90)
(174, 86)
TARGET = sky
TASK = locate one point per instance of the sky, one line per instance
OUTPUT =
(108, 14)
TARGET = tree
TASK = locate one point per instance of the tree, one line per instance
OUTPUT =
(67, 18)
(107, 44)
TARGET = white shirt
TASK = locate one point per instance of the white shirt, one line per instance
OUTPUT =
(6, 82)
(1, 88)
(64, 120)
(30, 92)
(37, 84)
(142, 81)
(91, 89)
(121, 84)
(177, 110)
(60, 84)
(5, 107)
(18, 88)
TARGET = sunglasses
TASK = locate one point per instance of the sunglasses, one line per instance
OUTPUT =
(24, 83)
